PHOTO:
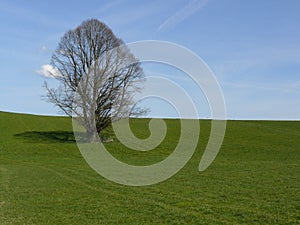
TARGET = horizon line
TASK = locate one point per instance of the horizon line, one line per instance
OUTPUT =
(171, 117)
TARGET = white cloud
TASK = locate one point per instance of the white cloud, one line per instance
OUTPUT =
(48, 71)
(191, 8)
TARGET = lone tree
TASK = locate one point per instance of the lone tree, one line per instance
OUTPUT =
(97, 76)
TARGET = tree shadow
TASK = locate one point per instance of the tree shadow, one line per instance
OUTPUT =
(47, 136)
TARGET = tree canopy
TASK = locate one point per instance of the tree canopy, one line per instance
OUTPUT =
(97, 75)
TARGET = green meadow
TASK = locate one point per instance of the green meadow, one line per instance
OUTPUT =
(45, 180)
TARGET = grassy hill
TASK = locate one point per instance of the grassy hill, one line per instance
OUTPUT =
(45, 180)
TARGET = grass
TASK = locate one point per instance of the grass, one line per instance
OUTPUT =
(45, 180)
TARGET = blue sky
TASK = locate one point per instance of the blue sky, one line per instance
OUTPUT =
(253, 47)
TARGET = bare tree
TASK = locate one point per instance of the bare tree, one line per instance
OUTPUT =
(97, 75)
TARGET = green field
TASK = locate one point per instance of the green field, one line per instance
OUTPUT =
(45, 180)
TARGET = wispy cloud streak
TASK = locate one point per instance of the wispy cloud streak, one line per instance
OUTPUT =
(191, 8)
(284, 87)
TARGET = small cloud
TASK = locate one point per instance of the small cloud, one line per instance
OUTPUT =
(48, 71)
(44, 48)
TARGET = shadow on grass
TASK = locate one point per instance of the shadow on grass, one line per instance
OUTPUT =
(47, 136)
(60, 136)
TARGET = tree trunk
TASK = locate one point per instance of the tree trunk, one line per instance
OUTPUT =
(92, 137)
